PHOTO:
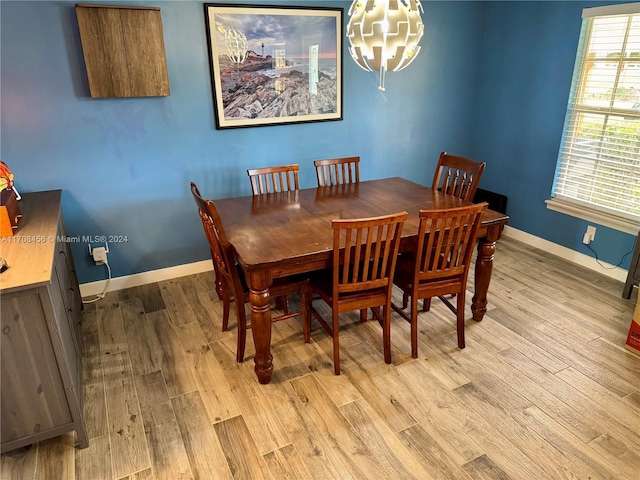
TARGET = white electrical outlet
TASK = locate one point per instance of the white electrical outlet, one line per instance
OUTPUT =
(99, 254)
(589, 235)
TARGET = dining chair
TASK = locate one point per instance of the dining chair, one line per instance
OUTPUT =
(439, 264)
(234, 286)
(457, 176)
(364, 258)
(338, 171)
(274, 179)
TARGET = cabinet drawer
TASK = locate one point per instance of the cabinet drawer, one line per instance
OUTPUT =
(70, 292)
(65, 325)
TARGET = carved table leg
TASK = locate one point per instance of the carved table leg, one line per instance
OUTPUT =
(261, 324)
(484, 267)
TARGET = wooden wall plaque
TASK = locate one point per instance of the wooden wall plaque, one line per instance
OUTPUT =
(123, 49)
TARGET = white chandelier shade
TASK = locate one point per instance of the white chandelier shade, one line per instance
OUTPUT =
(384, 34)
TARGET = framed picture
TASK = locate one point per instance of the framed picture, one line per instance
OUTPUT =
(274, 65)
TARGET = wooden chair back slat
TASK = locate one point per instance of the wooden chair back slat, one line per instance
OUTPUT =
(445, 245)
(365, 251)
(277, 179)
(457, 176)
(338, 171)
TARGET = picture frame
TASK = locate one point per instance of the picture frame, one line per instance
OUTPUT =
(274, 65)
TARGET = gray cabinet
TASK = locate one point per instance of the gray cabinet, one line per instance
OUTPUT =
(633, 277)
(41, 342)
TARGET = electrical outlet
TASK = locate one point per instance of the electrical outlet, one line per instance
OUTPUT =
(589, 235)
(99, 254)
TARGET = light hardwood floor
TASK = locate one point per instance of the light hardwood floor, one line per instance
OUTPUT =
(544, 390)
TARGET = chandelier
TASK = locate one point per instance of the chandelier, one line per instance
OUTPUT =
(384, 34)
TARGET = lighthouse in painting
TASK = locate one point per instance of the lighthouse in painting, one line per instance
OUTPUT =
(313, 69)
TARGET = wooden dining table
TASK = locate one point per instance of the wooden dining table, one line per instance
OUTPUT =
(286, 233)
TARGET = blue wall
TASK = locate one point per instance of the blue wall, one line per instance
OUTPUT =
(529, 51)
(124, 165)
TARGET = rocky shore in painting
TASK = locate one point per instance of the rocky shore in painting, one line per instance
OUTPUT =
(249, 93)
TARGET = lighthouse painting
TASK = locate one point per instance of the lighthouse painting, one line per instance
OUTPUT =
(274, 65)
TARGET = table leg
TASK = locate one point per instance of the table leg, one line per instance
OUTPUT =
(484, 267)
(261, 325)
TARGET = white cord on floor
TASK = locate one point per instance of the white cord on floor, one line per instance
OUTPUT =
(100, 296)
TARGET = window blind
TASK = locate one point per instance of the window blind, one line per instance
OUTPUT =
(598, 165)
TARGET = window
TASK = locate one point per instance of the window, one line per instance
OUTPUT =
(598, 172)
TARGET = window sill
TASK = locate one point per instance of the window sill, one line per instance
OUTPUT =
(590, 214)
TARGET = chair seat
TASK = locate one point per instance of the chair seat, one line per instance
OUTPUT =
(322, 283)
(405, 267)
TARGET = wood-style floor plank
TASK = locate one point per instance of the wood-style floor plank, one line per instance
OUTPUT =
(616, 407)
(202, 306)
(380, 385)
(431, 455)
(56, 458)
(145, 345)
(396, 459)
(145, 474)
(286, 464)
(240, 450)
(572, 353)
(483, 468)
(314, 449)
(129, 451)
(110, 327)
(216, 390)
(176, 303)
(19, 463)
(350, 448)
(440, 420)
(609, 446)
(544, 389)
(149, 294)
(599, 419)
(94, 406)
(169, 459)
(90, 320)
(95, 460)
(199, 436)
(253, 400)
(176, 368)
(588, 463)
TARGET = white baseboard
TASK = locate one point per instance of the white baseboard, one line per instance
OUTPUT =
(135, 280)
(120, 283)
(566, 253)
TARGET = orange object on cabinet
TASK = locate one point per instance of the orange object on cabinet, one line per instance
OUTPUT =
(9, 212)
